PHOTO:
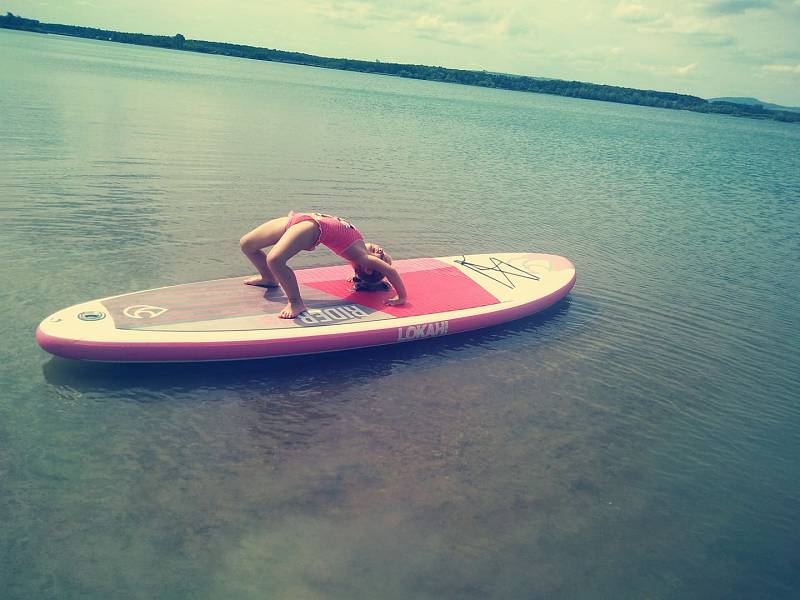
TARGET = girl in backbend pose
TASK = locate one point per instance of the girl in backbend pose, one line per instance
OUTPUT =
(305, 231)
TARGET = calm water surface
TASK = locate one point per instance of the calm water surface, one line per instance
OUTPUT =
(639, 440)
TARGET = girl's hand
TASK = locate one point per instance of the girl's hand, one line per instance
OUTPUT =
(396, 301)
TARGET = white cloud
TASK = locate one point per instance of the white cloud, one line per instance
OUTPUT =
(349, 14)
(436, 27)
(455, 22)
(696, 30)
(685, 70)
(624, 10)
(793, 69)
(634, 12)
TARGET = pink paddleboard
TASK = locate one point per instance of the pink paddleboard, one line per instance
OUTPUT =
(227, 320)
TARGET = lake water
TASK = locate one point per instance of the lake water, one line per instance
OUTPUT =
(639, 440)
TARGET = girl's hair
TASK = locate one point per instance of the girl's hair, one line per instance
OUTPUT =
(363, 276)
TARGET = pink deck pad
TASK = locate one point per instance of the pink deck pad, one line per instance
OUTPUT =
(440, 289)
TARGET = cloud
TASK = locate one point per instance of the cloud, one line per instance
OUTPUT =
(515, 25)
(349, 14)
(738, 7)
(460, 33)
(694, 30)
(456, 22)
(634, 13)
(436, 27)
(791, 69)
(684, 70)
(625, 11)
(700, 33)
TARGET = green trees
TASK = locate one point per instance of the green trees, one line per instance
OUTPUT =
(12, 21)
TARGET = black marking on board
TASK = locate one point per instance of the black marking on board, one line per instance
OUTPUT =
(497, 267)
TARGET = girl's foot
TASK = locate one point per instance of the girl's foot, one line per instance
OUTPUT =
(292, 310)
(259, 281)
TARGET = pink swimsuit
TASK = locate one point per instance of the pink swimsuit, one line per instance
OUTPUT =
(335, 233)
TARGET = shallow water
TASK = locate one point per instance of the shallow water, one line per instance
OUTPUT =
(639, 440)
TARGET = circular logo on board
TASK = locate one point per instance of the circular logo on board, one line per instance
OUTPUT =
(91, 315)
(143, 311)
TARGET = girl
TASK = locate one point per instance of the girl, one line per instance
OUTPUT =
(305, 231)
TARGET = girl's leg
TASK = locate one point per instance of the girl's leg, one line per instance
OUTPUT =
(300, 236)
(251, 244)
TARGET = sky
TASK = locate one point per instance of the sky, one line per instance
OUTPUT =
(707, 48)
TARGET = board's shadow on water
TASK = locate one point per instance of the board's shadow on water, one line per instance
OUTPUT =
(276, 374)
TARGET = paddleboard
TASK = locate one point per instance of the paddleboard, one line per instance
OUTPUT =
(226, 320)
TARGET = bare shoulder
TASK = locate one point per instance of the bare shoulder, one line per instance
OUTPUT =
(356, 251)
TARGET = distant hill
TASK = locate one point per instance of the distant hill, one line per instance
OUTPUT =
(756, 102)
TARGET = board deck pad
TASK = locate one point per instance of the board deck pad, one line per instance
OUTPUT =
(229, 305)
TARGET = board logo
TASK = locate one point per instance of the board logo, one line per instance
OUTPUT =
(144, 311)
(321, 316)
(417, 332)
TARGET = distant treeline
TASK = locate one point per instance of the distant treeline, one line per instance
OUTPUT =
(573, 89)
